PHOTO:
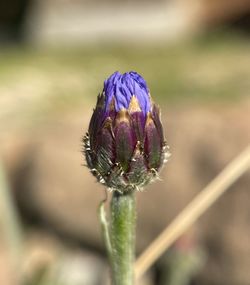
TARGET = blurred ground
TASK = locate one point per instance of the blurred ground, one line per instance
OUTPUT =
(46, 101)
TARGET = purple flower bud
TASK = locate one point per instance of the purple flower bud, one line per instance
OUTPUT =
(125, 146)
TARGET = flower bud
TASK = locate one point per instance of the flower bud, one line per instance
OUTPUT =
(125, 146)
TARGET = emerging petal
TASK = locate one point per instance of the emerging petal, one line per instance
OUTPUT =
(122, 87)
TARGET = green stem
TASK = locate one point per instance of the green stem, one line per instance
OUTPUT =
(11, 223)
(105, 228)
(122, 235)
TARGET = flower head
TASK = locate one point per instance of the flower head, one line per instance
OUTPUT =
(125, 146)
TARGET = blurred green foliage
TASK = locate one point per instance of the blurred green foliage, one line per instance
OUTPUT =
(209, 68)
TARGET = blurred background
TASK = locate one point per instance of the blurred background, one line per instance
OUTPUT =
(54, 56)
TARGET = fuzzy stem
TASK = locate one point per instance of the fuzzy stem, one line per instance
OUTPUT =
(122, 233)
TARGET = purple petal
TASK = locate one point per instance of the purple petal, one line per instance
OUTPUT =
(122, 87)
